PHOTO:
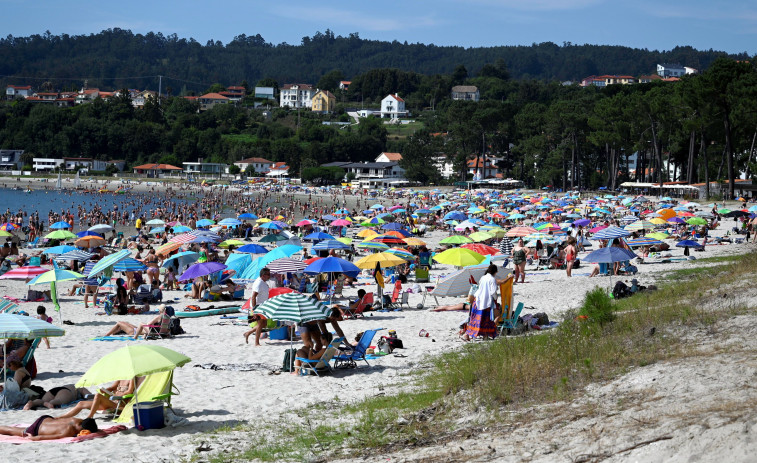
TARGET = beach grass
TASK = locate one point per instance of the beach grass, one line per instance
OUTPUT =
(602, 340)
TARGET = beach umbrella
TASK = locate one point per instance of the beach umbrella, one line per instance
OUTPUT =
(274, 237)
(204, 223)
(372, 245)
(100, 228)
(639, 225)
(458, 283)
(455, 215)
(4, 233)
(271, 226)
(456, 239)
(658, 236)
(252, 271)
(181, 239)
(366, 233)
(331, 265)
(273, 292)
(481, 236)
(129, 264)
(168, 247)
(22, 273)
(181, 260)
(286, 265)
(52, 278)
(60, 225)
(724, 211)
(230, 222)
(582, 222)
(131, 361)
(459, 257)
(392, 226)
(318, 236)
(107, 262)
(383, 259)
(696, 221)
(227, 243)
(609, 255)
(156, 230)
(388, 239)
(90, 242)
(341, 223)
(345, 240)
(676, 220)
(61, 235)
(414, 241)
(13, 326)
(688, 243)
(84, 233)
(7, 227)
(645, 241)
(330, 244)
(204, 239)
(305, 223)
(403, 253)
(520, 232)
(482, 249)
(292, 240)
(373, 222)
(610, 233)
(200, 270)
(62, 249)
(180, 229)
(247, 216)
(76, 254)
(252, 249)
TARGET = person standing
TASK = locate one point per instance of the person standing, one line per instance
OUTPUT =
(482, 316)
(259, 295)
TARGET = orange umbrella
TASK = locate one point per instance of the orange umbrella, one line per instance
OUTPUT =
(168, 247)
(90, 242)
(666, 213)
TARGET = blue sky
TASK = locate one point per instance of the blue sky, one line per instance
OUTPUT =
(654, 24)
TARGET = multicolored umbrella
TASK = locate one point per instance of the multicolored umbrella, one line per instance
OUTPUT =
(106, 263)
(22, 273)
(286, 265)
(383, 259)
(129, 264)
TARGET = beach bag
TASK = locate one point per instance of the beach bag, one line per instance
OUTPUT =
(175, 326)
(620, 290)
(289, 355)
(394, 342)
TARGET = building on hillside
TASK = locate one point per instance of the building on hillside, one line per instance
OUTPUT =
(158, 170)
(649, 78)
(11, 159)
(296, 96)
(84, 165)
(119, 164)
(235, 93)
(254, 165)
(373, 174)
(18, 91)
(46, 164)
(139, 98)
(670, 70)
(344, 84)
(444, 166)
(480, 170)
(393, 107)
(86, 95)
(204, 169)
(266, 94)
(209, 100)
(389, 157)
(465, 93)
(605, 80)
(323, 102)
(279, 169)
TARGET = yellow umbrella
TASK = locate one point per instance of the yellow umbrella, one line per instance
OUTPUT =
(480, 236)
(658, 221)
(367, 233)
(384, 259)
(228, 243)
(459, 257)
(414, 241)
(345, 240)
(263, 220)
(657, 235)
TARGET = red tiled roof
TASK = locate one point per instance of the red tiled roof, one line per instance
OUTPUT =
(20, 87)
(191, 97)
(235, 88)
(280, 166)
(396, 97)
(393, 156)
(480, 163)
(157, 167)
(213, 96)
(252, 160)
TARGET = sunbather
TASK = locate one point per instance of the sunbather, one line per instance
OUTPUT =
(132, 330)
(58, 396)
(102, 399)
(20, 374)
(353, 305)
(47, 428)
(463, 306)
(312, 354)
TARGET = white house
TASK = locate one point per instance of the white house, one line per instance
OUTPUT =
(465, 93)
(444, 165)
(205, 169)
(393, 107)
(690, 70)
(296, 96)
(373, 174)
(258, 165)
(670, 70)
(84, 163)
(17, 91)
(46, 164)
(266, 93)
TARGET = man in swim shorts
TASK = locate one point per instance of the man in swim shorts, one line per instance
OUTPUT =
(46, 428)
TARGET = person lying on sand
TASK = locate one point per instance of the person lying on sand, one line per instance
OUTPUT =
(102, 400)
(462, 306)
(47, 428)
(58, 396)
(132, 330)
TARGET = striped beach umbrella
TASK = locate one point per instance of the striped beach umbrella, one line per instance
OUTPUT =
(108, 262)
(252, 249)
(640, 225)
(286, 265)
(506, 246)
(76, 254)
(22, 273)
(204, 223)
(644, 241)
(412, 241)
(330, 244)
(372, 245)
(480, 236)
(520, 232)
(403, 253)
(230, 222)
(129, 264)
(168, 247)
(7, 227)
(293, 307)
(610, 233)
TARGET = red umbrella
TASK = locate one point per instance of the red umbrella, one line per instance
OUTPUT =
(271, 293)
(311, 260)
(22, 273)
(482, 249)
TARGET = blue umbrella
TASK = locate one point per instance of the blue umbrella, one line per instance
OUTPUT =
(247, 216)
(609, 255)
(610, 233)
(181, 260)
(332, 265)
(271, 226)
(129, 265)
(329, 217)
(392, 226)
(688, 243)
(157, 230)
(200, 270)
(318, 236)
(62, 249)
(230, 222)
(76, 254)
(253, 270)
(108, 262)
(84, 233)
(181, 229)
(252, 249)
(203, 239)
(204, 223)
(60, 225)
(455, 215)
(330, 244)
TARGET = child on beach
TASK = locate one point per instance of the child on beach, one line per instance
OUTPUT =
(170, 282)
(43, 316)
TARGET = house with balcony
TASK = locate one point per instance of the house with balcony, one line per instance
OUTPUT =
(204, 169)
(18, 91)
(209, 100)
(86, 95)
(158, 170)
(46, 164)
(296, 96)
(481, 169)
(670, 70)
(373, 174)
(324, 102)
(393, 107)
(279, 169)
(465, 93)
(11, 159)
(235, 93)
(84, 164)
(251, 166)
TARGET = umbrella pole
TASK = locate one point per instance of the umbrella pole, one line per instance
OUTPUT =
(54, 297)
(5, 379)
(135, 407)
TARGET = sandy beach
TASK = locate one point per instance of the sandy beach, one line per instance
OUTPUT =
(213, 397)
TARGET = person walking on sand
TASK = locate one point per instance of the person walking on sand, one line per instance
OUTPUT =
(570, 255)
(259, 295)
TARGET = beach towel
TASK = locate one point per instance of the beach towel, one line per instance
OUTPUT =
(65, 440)
(112, 338)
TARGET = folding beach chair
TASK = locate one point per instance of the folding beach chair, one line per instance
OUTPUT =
(358, 353)
(512, 322)
(320, 365)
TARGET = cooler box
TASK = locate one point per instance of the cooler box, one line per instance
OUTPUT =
(279, 334)
(149, 415)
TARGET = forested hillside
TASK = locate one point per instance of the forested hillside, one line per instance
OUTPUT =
(117, 58)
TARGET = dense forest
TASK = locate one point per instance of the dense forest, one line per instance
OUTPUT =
(702, 128)
(117, 58)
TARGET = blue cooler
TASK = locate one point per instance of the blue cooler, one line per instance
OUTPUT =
(279, 334)
(149, 415)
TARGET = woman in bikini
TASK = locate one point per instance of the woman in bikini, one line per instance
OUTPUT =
(520, 255)
(151, 261)
(58, 396)
(570, 255)
(102, 399)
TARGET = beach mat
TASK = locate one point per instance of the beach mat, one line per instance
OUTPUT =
(65, 440)
(113, 338)
(207, 312)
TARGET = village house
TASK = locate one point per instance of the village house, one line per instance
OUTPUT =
(204, 169)
(209, 100)
(11, 159)
(296, 96)
(383, 172)
(18, 91)
(278, 169)
(84, 164)
(46, 164)
(254, 165)
(480, 169)
(158, 170)
(670, 70)
(393, 107)
(324, 102)
(465, 93)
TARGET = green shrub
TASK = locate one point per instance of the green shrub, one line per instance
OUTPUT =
(598, 307)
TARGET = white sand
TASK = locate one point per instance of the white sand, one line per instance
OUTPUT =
(211, 398)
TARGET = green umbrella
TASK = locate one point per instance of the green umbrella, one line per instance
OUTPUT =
(724, 211)
(459, 257)
(272, 238)
(131, 361)
(696, 221)
(60, 235)
(456, 239)
(52, 277)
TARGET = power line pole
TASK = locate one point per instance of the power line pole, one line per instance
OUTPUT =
(160, 88)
